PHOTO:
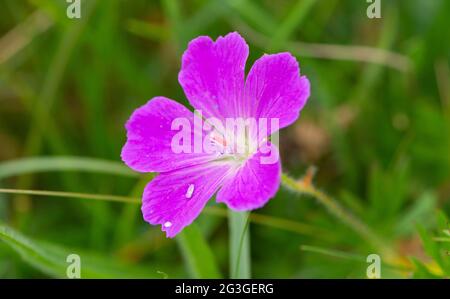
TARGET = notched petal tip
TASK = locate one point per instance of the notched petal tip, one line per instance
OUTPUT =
(275, 85)
(233, 36)
(213, 72)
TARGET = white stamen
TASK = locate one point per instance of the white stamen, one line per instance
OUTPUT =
(190, 191)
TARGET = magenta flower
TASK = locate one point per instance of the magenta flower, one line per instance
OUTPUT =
(213, 78)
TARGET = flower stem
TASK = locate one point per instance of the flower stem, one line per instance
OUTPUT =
(306, 187)
(240, 262)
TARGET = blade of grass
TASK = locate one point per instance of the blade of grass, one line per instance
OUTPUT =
(79, 195)
(172, 11)
(197, 253)
(51, 259)
(295, 17)
(23, 34)
(333, 253)
(67, 163)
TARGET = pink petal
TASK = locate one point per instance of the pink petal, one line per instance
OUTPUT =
(275, 89)
(174, 199)
(149, 136)
(253, 185)
(212, 74)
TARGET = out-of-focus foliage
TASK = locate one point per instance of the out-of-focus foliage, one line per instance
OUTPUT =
(377, 126)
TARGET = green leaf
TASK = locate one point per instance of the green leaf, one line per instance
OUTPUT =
(197, 253)
(419, 212)
(433, 249)
(421, 270)
(443, 223)
(51, 259)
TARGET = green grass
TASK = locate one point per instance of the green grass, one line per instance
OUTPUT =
(377, 127)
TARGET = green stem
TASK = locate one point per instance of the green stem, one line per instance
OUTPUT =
(339, 212)
(116, 198)
(239, 244)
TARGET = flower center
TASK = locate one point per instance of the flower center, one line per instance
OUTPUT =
(233, 145)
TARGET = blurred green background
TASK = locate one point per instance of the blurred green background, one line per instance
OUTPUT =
(376, 127)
